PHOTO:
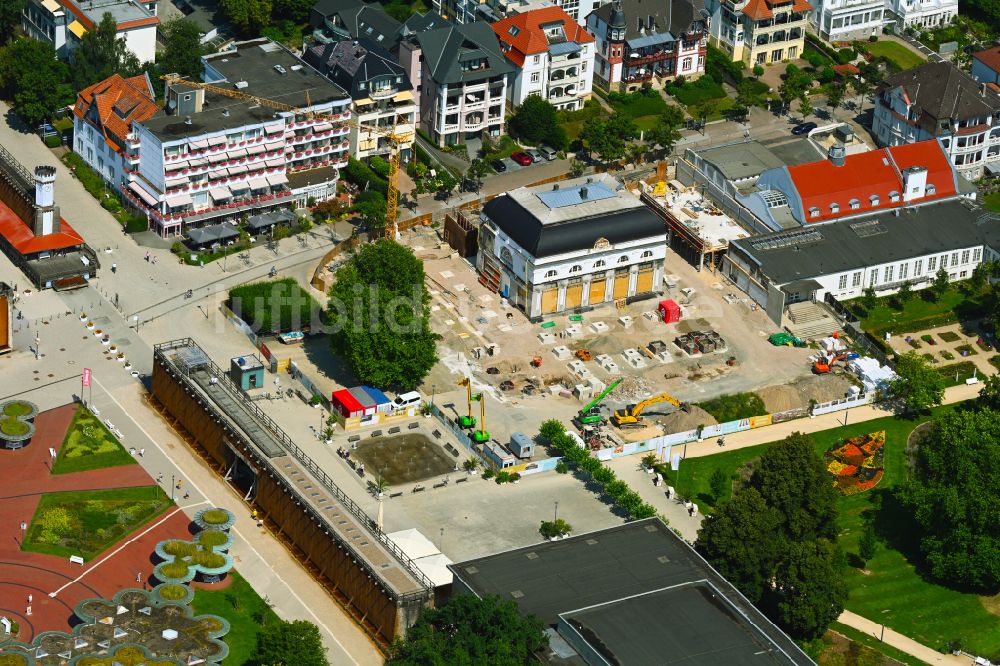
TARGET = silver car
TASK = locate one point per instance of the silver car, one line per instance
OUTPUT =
(548, 153)
(535, 155)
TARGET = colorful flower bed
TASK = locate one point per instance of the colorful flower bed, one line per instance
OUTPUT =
(858, 464)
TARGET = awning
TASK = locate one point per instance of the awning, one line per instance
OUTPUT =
(174, 166)
(274, 128)
(179, 200)
(77, 29)
(270, 164)
(198, 144)
(993, 168)
(219, 157)
(238, 169)
(234, 154)
(364, 101)
(220, 193)
(277, 179)
(405, 96)
(258, 183)
(218, 232)
(256, 149)
(216, 140)
(216, 175)
(142, 194)
(198, 161)
(323, 127)
(174, 182)
(51, 5)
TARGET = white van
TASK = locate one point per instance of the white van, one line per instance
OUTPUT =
(406, 400)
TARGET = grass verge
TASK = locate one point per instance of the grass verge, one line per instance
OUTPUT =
(895, 53)
(734, 407)
(246, 611)
(919, 313)
(89, 445)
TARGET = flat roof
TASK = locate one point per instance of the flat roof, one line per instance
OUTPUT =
(253, 62)
(558, 577)
(738, 161)
(123, 11)
(701, 217)
(870, 240)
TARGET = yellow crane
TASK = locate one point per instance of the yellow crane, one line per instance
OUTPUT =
(392, 194)
(631, 416)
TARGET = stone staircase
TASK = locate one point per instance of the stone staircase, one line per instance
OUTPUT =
(810, 320)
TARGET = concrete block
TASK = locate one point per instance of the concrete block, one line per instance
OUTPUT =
(573, 331)
(596, 384)
(561, 352)
(546, 338)
(576, 365)
(626, 321)
(583, 392)
(599, 327)
(637, 362)
(664, 357)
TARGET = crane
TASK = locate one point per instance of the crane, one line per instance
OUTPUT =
(392, 193)
(631, 416)
(590, 413)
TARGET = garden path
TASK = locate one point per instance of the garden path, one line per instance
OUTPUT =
(900, 642)
(980, 358)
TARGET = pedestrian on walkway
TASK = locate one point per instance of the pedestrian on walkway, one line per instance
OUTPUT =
(187, 494)
(159, 477)
(142, 453)
(131, 450)
(114, 268)
(154, 259)
(30, 598)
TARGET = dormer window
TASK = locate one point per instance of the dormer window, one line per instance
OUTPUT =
(855, 204)
(835, 208)
(623, 259)
(575, 268)
(550, 274)
(513, 30)
(894, 196)
(874, 200)
(931, 190)
(813, 211)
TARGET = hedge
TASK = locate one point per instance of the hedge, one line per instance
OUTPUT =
(273, 306)
(360, 174)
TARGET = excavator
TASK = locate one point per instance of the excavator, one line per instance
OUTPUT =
(631, 416)
(825, 363)
(591, 413)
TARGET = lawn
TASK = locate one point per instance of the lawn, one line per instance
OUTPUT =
(895, 53)
(956, 373)
(89, 445)
(695, 93)
(892, 590)
(273, 306)
(246, 611)
(919, 314)
(992, 201)
(638, 104)
(87, 522)
(734, 407)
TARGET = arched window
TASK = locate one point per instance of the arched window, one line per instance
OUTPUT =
(647, 254)
(549, 274)
(599, 263)
(575, 268)
(623, 259)
(505, 256)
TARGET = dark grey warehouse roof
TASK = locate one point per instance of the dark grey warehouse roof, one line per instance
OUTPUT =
(856, 243)
(573, 234)
(590, 580)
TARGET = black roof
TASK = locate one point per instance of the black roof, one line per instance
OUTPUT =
(546, 240)
(593, 582)
(444, 49)
(358, 19)
(940, 91)
(674, 16)
(350, 63)
(857, 243)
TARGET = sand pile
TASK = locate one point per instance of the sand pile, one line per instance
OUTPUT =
(681, 421)
(821, 388)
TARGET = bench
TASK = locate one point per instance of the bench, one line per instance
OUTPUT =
(393, 430)
(412, 426)
(399, 494)
(440, 485)
(462, 480)
(76, 559)
(354, 438)
(376, 433)
(437, 434)
(418, 489)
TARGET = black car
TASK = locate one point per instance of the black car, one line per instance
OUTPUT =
(498, 166)
(803, 128)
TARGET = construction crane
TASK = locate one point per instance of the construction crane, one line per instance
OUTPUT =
(591, 414)
(392, 193)
(631, 416)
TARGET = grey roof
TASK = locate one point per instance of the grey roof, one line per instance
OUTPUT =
(121, 10)
(423, 22)
(252, 62)
(560, 578)
(745, 159)
(564, 48)
(842, 246)
(216, 232)
(265, 220)
(939, 91)
(350, 63)
(358, 19)
(669, 16)
(445, 48)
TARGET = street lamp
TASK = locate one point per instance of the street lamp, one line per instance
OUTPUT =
(38, 346)
(555, 513)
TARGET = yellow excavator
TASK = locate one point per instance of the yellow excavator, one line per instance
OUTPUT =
(631, 416)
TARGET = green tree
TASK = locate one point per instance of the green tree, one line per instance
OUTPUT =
(379, 317)
(904, 294)
(536, 122)
(805, 106)
(554, 528)
(372, 210)
(791, 88)
(989, 394)
(182, 49)
(835, 95)
(248, 16)
(862, 88)
(940, 284)
(10, 18)
(297, 642)
(952, 501)
(718, 483)
(296, 11)
(868, 544)
(809, 591)
(478, 169)
(868, 298)
(607, 137)
(918, 386)
(102, 53)
(35, 80)
(666, 132)
(469, 630)
(747, 95)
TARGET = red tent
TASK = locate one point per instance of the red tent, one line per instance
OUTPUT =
(669, 311)
(347, 404)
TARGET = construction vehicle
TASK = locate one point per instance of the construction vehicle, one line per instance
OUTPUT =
(389, 133)
(536, 361)
(470, 420)
(783, 339)
(825, 363)
(631, 416)
(583, 354)
(591, 414)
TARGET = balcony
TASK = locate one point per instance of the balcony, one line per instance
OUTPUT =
(645, 59)
(381, 93)
(473, 123)
(638, 78)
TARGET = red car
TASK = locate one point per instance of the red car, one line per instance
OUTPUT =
(524, 159)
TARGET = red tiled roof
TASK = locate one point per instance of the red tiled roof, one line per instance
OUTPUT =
(759, 10)
(20, 235)
(530, 37)
(989, 57)
(846, 69)
(119, 102)
(820, 184)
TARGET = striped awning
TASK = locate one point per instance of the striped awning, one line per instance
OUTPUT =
(237, 170)
(179, 200)
(220, 157)
(258, 183)
(174, 182)
(142, 193)
(270, 164)
(277, 179)
(220, 193)
(322, 127)
(238, 152)
(198, 144)
(274, 128)
(255, 150)
(216, 140)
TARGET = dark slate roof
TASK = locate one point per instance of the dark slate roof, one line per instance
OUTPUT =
(546, 240)
(940, 91)
(572, 578)
(422, 22)
(669, 16)
(358, 19)
(839, 247)
(350, 63)
(443, 49)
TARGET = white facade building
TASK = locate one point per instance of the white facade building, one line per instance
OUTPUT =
(63, 23)
(848, 20)
(570, 246)
(924, 13)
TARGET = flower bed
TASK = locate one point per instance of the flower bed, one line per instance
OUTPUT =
(174, 594)
(204, 558)
(858, 464)
(215, 519)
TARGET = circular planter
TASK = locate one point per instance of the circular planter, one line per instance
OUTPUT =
(171, 572)
(215, 519)
(90, 325)
(97, 332)
(19, 409)
(83, 316)
(216, 540)
(171, 593)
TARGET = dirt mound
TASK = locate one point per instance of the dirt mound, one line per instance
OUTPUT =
(797, 396)
(681, 421)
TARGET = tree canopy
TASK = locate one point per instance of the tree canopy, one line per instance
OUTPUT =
(775, 540)
(536, 122)
(249, 17)
(379, 317)
(288, 643)
(467, 631)
(951, 498)
(10, 18)
(607, 136)
(918, 386)
(182, 49)
(101, 53)
(34, 80)
(666, 132)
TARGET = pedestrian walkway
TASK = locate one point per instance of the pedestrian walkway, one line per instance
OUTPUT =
(629, 470)
(899, 641)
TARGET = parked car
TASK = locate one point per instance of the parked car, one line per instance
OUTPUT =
(803, 128)
(535, 155)
(498, 166)
(548, 153)
(524, 159)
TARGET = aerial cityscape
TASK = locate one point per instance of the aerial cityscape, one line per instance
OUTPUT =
(499, 332)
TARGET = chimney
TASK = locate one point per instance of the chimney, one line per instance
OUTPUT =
(46, 212)
(914, 183)
(837, 154)
(583, 192)
(555, 187)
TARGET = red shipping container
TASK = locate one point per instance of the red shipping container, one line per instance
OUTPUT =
(669, 311)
